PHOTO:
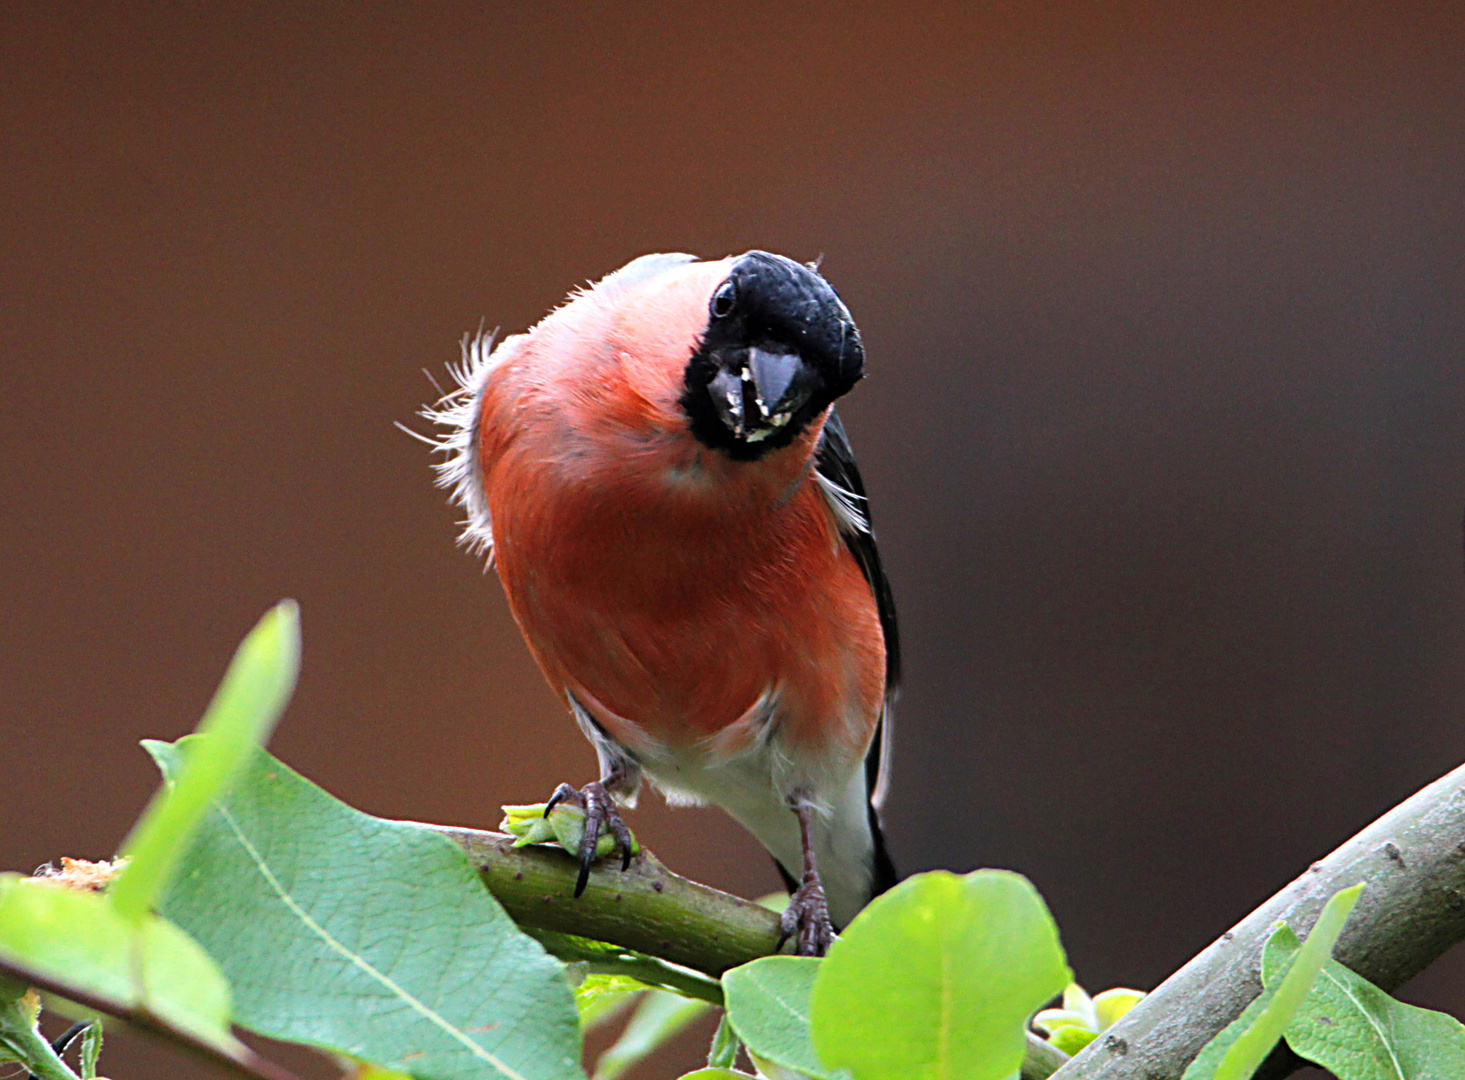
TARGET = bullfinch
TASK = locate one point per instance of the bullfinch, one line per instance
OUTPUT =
(676, 517)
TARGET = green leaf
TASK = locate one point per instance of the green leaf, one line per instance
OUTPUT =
(1051, 1020)
(10, 990)
(723, 1053)
(1251, 1042)
(601, 998)
(714, 1073)
(936, 979)
(1077, 1001)
(79, 940)
(244, 710)
(91, 1050)
(661, 1016)
(1112, 1006)
(21, 1042)
(1209, 1059)
(370, 938)
(768, 1005)
(365, 1070)
(1072, 1039)
(1357, 1032)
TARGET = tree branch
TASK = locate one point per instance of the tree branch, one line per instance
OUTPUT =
(241, 1061)
(1411, 913)
(646, 908)
(1041, 1059)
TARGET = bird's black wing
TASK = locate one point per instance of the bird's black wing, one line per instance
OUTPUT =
(835, 462)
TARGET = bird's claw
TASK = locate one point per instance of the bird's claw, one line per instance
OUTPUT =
(601, 816)
(807, 915)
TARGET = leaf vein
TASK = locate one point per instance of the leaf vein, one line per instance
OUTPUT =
(1373, 1023)
(429, 1014)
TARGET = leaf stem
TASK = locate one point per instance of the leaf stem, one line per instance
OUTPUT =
(601, 958)
(723, 1053)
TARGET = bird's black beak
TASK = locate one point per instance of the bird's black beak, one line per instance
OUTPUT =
(779, 347)
(758, 395)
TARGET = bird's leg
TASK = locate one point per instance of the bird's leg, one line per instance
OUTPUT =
(807, 913)
(601, 816)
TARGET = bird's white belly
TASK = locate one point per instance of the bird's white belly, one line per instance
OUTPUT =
(755, 787)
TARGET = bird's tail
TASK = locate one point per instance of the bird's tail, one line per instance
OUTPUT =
(883, 868)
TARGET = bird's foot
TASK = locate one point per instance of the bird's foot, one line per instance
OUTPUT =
(807, 915)
(601, 818)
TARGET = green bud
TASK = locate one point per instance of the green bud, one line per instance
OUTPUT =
(1050, 1021)
(564, 826)
(1111, 1005)
(1072, 1039)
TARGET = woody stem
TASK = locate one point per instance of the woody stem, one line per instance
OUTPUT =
(646, 909)
(1411, 913)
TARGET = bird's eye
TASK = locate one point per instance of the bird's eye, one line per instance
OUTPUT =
(724, 300)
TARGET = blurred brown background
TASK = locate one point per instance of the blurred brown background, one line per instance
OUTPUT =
(1165, 424)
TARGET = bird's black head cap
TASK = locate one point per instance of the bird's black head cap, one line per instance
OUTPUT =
(779, 348)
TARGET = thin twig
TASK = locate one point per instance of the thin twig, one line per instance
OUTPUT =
(1411, 913)
(601, 959)
(241, 1061)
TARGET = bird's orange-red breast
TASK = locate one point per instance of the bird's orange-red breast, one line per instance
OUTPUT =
(682, 535)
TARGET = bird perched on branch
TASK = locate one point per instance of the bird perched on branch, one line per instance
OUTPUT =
(683, 536)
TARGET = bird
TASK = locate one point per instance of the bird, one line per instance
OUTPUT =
(659, 476)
